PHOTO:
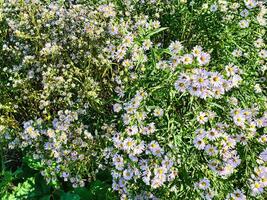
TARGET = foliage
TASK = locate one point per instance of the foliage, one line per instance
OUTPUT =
(127, 99)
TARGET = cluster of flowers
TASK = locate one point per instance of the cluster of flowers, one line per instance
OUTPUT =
(216, 142)
(54, 56)
(60, 73)
(135, 155)
(207, 84)
(246, 120)
(258, 179)
(197, 57)
(61, 148)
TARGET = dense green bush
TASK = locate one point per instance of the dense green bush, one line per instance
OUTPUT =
(133, 99)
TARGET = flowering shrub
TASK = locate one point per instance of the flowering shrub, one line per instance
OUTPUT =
(168, 97)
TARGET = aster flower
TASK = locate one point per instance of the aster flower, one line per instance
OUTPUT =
(187, 59)
(117, 107)
(199, 143)
(256, 188)
(216, 79)
(236, 195)
(263, 155)
(132, 130)
(158, 112)
(203, 59)
(180, 85)
(263, 53)
(213, 8)
(244, 13)
(250, 3)
(202, 118)
(129, 144)
(176, 47)
(244, 23)
(128, 174)
(213, 134)
(204, 184)
(239, 120)
(197, 50)
(211, 150)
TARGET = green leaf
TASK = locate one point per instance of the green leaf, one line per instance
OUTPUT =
(46, 197)
(156, 31)
(24, 189)
(34, 164)
(41, 188)
(69, 196)
(84, 193)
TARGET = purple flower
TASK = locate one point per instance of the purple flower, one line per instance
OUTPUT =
(263, 155)
(203, 59)
(204, 184)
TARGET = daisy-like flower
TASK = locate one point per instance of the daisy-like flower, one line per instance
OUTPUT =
(158, 112)
(180, 85)
(239, 120)
(118, 162)
(211, 150)
(129, 144)
(140, 116)
(128, 40)
(226, 170)
(175, 61)
(259, 43)
(150, 128)
(263, 139)
(117, 107)
(237, 53)
(234, 161)
(176, 47)
(162, 64)
(261, 122)
(213, 134)
(242, 139)
(187, 59)
(147, 44)
(160, 172)
(236, 195)
(195, 91)
(263, 53)
(213, 8)
(202, 118)
(126, 119)
(167, 163)
(216, 79)
(199, 143)
(218, 92)
(203, 58)
(204, 184)
(231, 69)
(132, 130)
(153, 146)
(250, 3)
(200, 80)
(244, 23)
(213, 164)
(113, 30)
(128, 174)
(138, 149)
(244, 13)
(256, 188)
(263, 155)
(197, 50)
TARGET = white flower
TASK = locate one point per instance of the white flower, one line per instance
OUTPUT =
(117, 107)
